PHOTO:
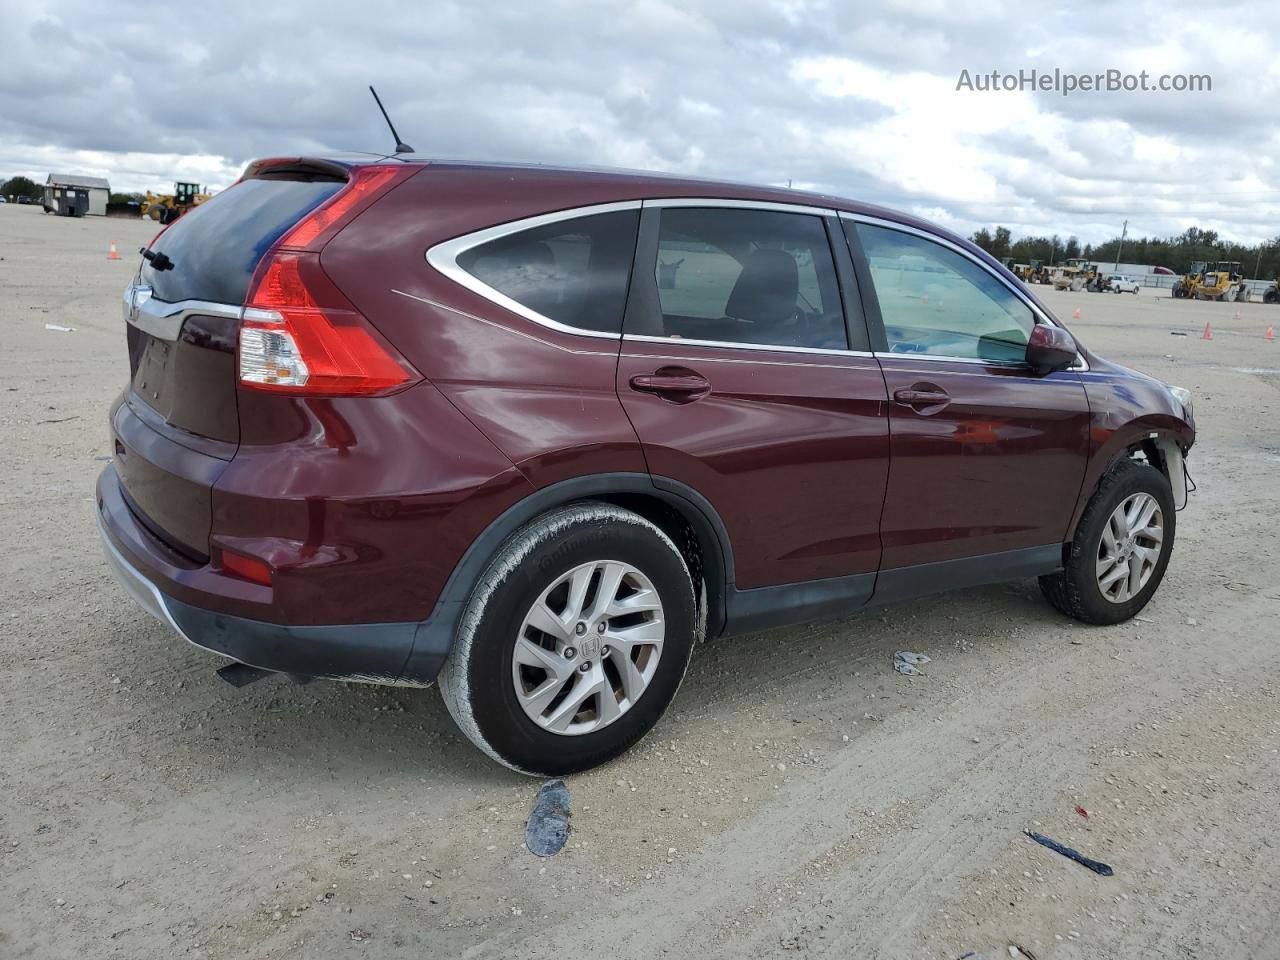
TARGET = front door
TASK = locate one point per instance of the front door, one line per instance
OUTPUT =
(736, 370)
(986, 456)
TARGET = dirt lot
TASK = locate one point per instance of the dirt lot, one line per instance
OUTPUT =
(801, 796)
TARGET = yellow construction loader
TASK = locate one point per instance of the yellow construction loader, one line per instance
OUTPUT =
(1213, 281)
(168, 207)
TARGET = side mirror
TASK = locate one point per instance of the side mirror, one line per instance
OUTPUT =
(1050, 348)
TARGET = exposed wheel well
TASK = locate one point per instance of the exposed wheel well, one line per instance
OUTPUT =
(1145, 450)
(699, 547)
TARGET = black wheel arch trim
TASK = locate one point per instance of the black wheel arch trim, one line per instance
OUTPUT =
(434, 636)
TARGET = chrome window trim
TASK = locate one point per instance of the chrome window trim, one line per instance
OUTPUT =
(1081, 363)
(771, 206)
(443, 257)
(163, 320)
(738, 345)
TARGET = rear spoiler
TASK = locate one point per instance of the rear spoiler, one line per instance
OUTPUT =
(297, 167)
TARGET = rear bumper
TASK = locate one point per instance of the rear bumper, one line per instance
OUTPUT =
(398, 653)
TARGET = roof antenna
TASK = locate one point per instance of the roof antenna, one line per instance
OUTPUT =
(401, 146)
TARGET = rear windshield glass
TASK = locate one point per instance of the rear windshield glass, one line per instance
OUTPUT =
(216, 246)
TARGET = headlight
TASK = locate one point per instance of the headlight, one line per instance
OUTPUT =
(1183, 396)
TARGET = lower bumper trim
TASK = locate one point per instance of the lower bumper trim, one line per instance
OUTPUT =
(365, 652)
(145, 593)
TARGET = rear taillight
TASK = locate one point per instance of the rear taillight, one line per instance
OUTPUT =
(300, 335)
(365, 186)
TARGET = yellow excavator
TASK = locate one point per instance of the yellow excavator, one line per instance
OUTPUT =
(167, 207)
(1213, 281)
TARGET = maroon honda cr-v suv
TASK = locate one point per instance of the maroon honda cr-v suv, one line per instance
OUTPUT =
(533, 432)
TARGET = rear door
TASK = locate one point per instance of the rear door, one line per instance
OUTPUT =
(176, 425)
(986, 455)
(745, 381)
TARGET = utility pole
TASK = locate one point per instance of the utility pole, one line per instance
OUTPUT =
(1257, 267)
(1123, 233)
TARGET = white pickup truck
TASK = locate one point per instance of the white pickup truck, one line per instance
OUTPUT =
(1119, 283)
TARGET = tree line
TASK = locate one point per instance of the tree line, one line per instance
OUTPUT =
(21, 187)
(1177, 253)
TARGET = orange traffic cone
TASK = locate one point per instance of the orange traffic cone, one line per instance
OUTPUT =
(1076, 314)
(1271, 333)
(111, 254)
(1208, 333)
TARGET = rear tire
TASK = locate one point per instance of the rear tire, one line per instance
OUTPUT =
(514, 673)
(1081, 589)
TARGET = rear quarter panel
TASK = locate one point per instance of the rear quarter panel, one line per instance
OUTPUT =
(546, 399)
(363, 505)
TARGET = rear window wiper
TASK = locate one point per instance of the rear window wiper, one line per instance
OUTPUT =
(158, 261)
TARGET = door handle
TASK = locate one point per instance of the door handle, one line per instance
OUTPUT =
(678, 386)
(922, 395)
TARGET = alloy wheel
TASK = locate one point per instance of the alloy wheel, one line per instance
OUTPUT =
(1130, 547)
(588, 647)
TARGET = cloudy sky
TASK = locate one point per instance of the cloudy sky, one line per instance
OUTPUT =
(834, 96)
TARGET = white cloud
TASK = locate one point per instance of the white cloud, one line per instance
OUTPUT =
(845, 98)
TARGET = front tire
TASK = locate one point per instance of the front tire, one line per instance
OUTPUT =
(574, 642)
(1121, 548)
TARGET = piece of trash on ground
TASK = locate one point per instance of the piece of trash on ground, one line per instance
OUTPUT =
(904, 661)
(1015, 951)
(1082, 811)
(59, 328)
(1175, 333)
(1098, 867)
(548, 826)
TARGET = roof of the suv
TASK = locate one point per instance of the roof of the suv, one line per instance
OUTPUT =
(636, 184)
(656, 184)
(627, 185)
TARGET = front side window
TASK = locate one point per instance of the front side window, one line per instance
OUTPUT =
(747, 276)
(935, 301)
(574, 271)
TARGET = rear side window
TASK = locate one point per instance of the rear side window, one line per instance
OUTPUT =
(574, 272)
(748, 276)
(216, 246)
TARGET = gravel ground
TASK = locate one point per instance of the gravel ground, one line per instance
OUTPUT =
(800, 796)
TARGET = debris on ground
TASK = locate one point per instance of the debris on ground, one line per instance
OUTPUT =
(359, 935)
(1102, 869)
(1015, 951)
(548, 826)
(1082, 811)
(904, 661)
(59, 328)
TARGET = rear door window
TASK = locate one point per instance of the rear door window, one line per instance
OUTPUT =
(936, 301)
(216, 246)
(573, 272)
(748, 276)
